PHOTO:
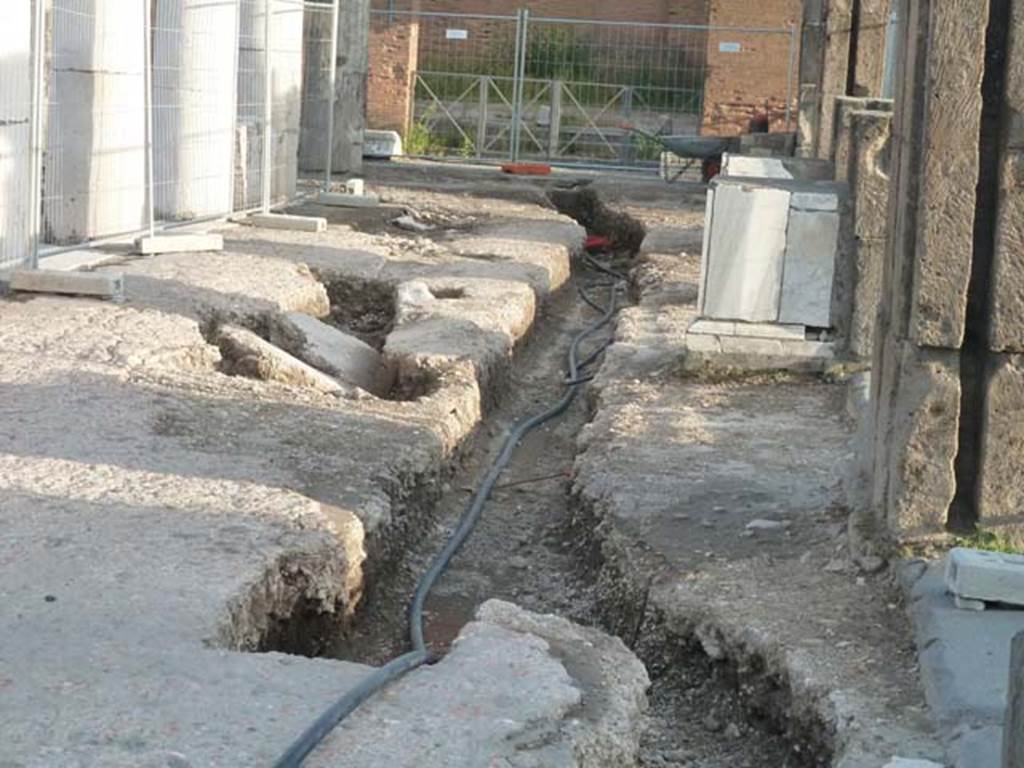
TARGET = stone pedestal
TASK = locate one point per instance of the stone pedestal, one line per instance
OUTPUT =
(94, 165)
(15, 130)
(193, 107)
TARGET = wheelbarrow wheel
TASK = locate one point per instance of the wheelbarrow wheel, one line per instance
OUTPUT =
(711, 167)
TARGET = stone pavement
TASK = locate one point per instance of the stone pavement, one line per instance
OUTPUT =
(163, 520)
(715, 509)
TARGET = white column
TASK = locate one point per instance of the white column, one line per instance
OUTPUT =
(15, 132)
(94, 166)
(194, 71)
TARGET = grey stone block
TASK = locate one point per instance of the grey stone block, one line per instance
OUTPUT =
(104, 286)
(336, 353)
(951, 95)
(991, 577)
(249, 355)
(916, 444)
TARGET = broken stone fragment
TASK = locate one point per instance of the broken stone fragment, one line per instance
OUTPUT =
(246, 354)
(336, 353)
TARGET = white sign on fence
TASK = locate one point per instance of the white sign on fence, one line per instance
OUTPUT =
(457, 34)
(730, 47)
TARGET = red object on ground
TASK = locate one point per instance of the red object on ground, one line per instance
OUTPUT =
(527, 169)
(597, 243)
(711, 167)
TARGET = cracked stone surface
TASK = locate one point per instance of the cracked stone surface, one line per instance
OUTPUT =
(160, 517)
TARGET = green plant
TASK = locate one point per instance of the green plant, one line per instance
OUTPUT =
(991, 541)
(421, 140)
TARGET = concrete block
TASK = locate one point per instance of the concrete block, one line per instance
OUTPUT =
(796, 169)
(179, 243)
(917, 440)
(991, 577)
(902, 762)
(382, 145)
(246, 354)
(713, 327)
(743, 278)
(104, 286)
(69, 261)
(1001, 498)
(1013, 731)
(346, 200)
(779, 331)
(336, 353)
(951, 95)
(288, 221)
(810, 266)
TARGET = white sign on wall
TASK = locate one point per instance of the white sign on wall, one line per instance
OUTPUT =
(457, 34)
(730, 47)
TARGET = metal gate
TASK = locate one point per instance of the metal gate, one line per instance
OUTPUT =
(570, 91)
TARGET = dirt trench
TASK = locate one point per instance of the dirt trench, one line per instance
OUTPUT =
(525, 550)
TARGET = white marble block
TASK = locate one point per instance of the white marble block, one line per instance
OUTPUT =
(770, 252)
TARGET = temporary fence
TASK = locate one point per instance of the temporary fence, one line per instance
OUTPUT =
(118, 119)
(571, 90)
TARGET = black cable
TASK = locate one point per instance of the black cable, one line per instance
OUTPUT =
(420, 655)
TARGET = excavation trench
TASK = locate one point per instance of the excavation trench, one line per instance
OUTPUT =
(529, 549)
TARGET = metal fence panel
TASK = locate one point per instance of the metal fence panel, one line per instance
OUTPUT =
(319, 88)
(16, 129)
(250, 130)
(569, 91)
(287, 25)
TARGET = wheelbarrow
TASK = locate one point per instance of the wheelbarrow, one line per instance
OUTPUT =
(706, 149)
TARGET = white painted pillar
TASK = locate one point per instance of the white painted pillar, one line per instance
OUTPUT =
(194, 71)
(15, 132)
(95, 164)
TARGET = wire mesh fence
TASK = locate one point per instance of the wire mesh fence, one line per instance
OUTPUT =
(571, 90)
(121, 118)
(319, 88)
(193, 108)
(16, 136)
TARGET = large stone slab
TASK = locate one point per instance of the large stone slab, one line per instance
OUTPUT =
(336, 353)
(1007, 332)
(951, 118)
(917, 444)
(747, 245)
(246, 354)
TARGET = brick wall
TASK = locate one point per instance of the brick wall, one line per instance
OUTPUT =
(393, 57)
(755, 77)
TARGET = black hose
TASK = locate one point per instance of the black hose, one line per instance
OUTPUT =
(420, 655)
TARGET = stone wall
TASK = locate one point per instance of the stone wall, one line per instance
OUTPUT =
(948, 385)
(863, 150)
(834, 32)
